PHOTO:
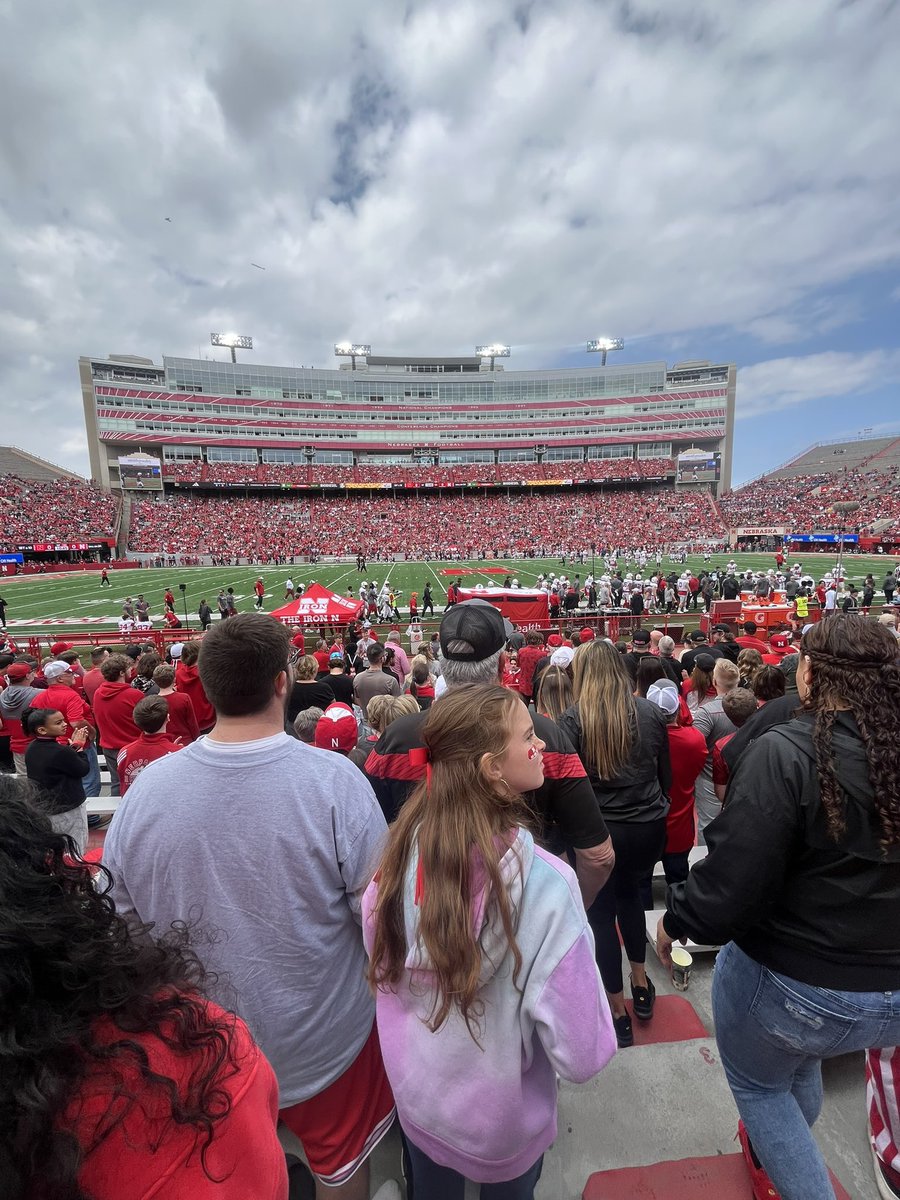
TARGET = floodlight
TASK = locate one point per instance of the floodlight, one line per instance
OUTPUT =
(602, 346)
(492, 351)
(233, 341)
(352, 350)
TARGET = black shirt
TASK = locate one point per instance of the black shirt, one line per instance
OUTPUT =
(640, 790)
(59, 770)
(823, 912)
(318, 694)
(341, 685)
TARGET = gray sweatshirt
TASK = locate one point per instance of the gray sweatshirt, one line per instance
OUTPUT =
(266, 848)
(15, 699)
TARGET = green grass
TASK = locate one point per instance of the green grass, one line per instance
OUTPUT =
(70, 598)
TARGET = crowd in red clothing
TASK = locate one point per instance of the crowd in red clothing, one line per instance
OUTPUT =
(418, 475)
(61, 510)
(435, 526)
(805, 502)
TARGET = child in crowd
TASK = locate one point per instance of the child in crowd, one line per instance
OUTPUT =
(151, 715)
(482, 959)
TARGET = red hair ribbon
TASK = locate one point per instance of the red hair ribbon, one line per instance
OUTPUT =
(419, 757)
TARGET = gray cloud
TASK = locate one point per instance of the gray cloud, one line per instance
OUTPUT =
(441, 174)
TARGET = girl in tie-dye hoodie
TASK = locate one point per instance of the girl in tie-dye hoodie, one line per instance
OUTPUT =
(481, 958)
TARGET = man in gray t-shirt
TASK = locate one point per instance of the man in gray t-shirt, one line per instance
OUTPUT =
(264, 846)
(375, 681)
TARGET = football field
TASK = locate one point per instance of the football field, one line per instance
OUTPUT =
(73, 602)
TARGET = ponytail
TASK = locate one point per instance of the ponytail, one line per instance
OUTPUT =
(33, 718)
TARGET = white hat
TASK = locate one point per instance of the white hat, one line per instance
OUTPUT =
(562, 656)
(54, 669)
(664, 696)
(175, 649)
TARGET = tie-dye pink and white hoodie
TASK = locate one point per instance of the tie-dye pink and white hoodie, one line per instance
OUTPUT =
(488, 1111)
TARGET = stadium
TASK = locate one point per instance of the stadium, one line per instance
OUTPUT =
(213, 473)
(351, 504)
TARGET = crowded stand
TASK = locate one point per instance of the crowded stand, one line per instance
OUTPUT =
(217, 1009)
(489, 474)
(61, 510)
(805, 502)
(435, 526)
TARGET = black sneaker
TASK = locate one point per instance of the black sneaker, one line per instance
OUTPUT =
(624, 1031)
(642, 1000)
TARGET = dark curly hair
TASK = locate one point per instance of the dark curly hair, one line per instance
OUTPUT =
(67, 960)
(856, 665)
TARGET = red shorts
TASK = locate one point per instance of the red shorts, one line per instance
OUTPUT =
(340, 1127)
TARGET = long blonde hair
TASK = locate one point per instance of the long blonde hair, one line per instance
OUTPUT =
(453, 818)
(606, 708)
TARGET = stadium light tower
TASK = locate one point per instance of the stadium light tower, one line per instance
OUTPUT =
(494, 350)
(352, 350)
(234, 341)
(602, 346)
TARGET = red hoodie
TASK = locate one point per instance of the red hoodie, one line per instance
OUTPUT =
(141, 753)
(187, 680)
(161, 1159)
(113, 705)
(182, 725)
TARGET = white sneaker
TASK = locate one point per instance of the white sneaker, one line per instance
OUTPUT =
(389, 1191)
(885, 1188)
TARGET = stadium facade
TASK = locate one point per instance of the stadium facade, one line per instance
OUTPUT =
(401, 412)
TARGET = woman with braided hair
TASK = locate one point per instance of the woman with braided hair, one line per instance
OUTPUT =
(801, 887)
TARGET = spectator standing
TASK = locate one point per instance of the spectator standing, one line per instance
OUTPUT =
(309, 691)
(290, 945)
(810, 830)
(687, 755)
(3, 607)
(473, 650)
(529, 657)
(15, 699)
(337, 678)
(94, 677)
(481, 1038)
(114, 704)
(623, 744)
(182, 727)
(374, 681)
(712, 722)
(189, 683)
(392, 642)
(204, 612)
(151, 715)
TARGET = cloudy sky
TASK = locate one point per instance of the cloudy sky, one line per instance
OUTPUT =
(705, 178)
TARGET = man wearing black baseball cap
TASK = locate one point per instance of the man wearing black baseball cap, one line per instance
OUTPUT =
(473, 636)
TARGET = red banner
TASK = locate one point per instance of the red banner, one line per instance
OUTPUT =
(529, 609)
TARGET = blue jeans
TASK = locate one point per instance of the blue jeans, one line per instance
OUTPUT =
(772, 1033)
(91, 781)
(430, 1181)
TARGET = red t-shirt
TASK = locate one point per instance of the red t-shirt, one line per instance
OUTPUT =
(160, 1159)
(69, 702)
(90, 683)
(323, 658)
(687, 751)
(138, 754)
(529, 657)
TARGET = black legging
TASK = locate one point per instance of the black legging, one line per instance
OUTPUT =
(638, 846)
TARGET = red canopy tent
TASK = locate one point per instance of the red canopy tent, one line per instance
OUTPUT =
(318, 606)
